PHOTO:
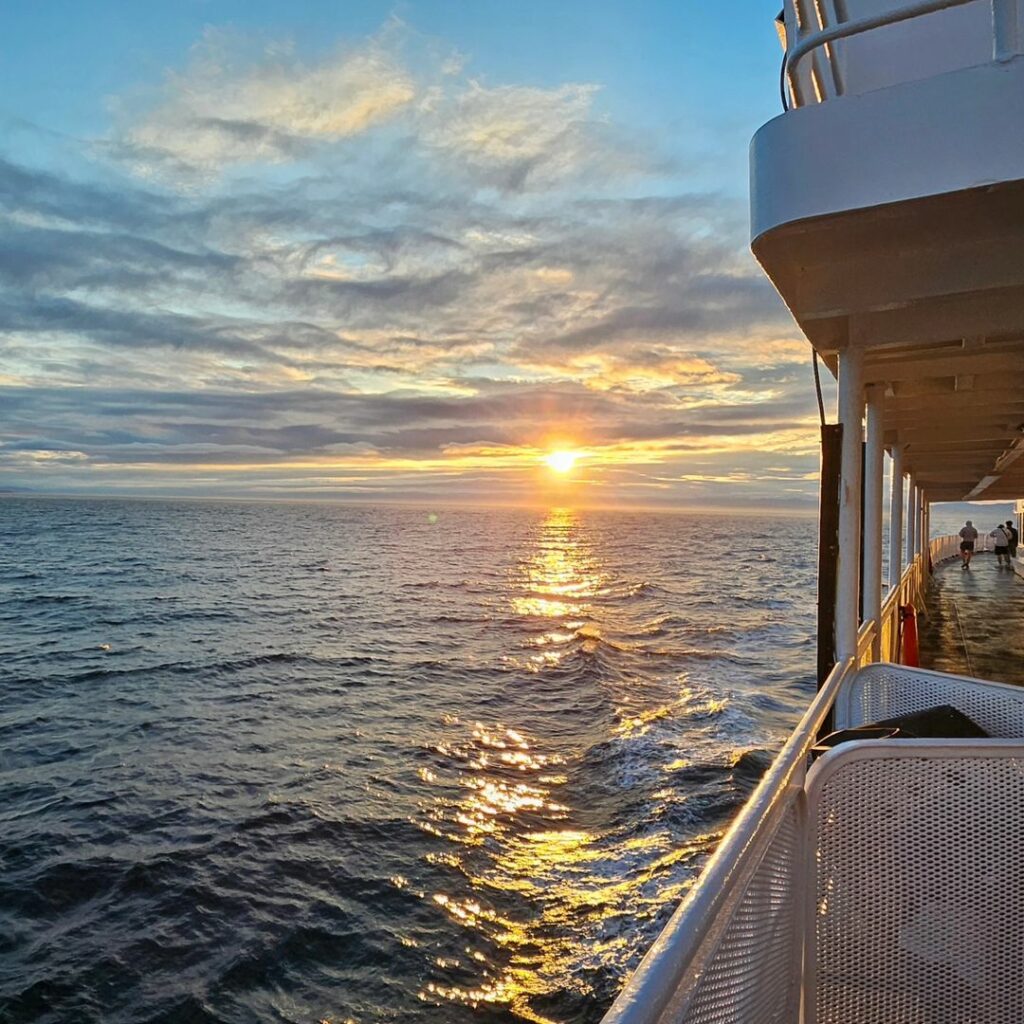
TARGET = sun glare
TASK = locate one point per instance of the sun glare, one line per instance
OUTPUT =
(561, 461)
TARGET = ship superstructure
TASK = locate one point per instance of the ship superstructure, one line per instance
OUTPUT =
(882, 881)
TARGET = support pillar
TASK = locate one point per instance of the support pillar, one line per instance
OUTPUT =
(911, 520)
(896, 518)
(925, 530)
(851, 413)
(1007, 29)
(922, 544)
(871, 599)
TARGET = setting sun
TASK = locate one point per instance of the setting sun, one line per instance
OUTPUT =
(562, 461)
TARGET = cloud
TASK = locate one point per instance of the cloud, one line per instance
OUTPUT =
(239, 105)
(223, 109)
(516, 137)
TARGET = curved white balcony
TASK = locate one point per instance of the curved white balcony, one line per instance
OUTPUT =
(923, 107)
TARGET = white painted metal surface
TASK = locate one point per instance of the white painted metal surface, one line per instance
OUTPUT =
(914, 853)
(857, 153)
(1008, 28)
(884, 691)
(922, 531)
(733, 951)
(874, 940)
(874, 455)
(896, 516)
(911, 520)
(884, 42)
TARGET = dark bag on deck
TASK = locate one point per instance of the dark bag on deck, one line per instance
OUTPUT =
(940, 723)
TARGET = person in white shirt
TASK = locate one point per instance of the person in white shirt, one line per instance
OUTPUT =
(968, 535)
(1002, 540)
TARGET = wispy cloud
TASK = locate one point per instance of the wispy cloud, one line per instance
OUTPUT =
(230, 106)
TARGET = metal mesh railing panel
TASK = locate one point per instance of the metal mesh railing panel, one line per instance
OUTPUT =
(919, 891)
(884, 690)
(753, 974)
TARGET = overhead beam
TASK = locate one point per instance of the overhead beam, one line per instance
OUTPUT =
(951, 441)
(943, 366)
(1004, 384)
(953, 433)
(981, 486)
(914, 397)
(1010, 456)
(950, 474)
(1000, 311)
(1001, 420)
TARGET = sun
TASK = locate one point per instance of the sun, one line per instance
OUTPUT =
(561, 461)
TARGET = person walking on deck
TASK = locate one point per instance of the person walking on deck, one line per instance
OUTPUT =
(1011, 532)
(1002, 539)
(968, 535)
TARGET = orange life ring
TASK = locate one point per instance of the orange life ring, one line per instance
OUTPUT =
(908, 630)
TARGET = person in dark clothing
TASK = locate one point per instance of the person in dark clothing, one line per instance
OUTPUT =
(968, 535)
(1011, 533)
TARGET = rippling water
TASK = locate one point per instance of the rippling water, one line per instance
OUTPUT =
(332, 763)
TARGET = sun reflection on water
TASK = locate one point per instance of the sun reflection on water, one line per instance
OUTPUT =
(560, 576)
(517, 844)
(562, 873)
(545, 900)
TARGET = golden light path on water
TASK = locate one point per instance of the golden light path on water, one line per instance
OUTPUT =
(511, 812)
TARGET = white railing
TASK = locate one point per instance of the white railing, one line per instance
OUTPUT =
(752, 944)
(814, 27)
(731, 951)
(735, 940)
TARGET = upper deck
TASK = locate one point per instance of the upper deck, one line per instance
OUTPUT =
(887, 207)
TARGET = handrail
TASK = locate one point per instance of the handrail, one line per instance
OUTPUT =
(672, 957)
(852, 28)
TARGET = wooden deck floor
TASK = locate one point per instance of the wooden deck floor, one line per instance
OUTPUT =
(975, 621)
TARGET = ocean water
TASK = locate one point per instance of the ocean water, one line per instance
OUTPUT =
(305, 763)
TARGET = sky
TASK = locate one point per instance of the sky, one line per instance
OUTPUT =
(367, 251)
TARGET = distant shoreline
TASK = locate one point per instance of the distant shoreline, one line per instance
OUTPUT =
(425, 504)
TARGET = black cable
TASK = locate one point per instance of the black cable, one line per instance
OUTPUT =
(782, 85)
(817, 386)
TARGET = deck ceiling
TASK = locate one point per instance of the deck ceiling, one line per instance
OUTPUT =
(957, 410)
(932, 291)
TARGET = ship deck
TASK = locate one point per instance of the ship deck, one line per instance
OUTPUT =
(988, 603)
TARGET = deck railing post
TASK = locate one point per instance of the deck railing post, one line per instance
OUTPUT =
(871, 598)
(922, 544)
(922, 539)
(851, 414)
(896, 518)
(926, 535)
(911, 520)
(1007, 28)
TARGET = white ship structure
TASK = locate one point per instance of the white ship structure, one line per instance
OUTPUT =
(881, 880)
